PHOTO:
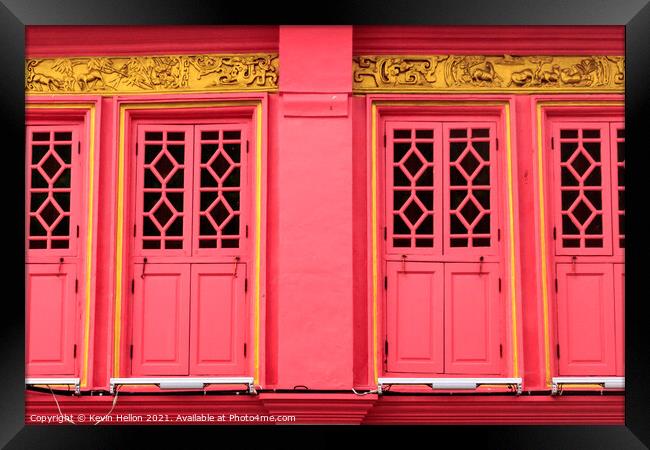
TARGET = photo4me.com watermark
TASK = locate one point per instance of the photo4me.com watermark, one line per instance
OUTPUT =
(89, 419)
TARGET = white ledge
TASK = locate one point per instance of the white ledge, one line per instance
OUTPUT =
(606, 382)
(182, 382)
(53, 381)
(450, 383)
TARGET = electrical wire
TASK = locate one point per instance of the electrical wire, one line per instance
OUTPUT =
(112, 407)
(364, 393)
(59, 408)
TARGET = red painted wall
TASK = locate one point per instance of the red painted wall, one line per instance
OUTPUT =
(316, 325)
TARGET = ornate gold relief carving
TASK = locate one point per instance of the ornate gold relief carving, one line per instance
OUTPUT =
(136, 74)
(489, 73)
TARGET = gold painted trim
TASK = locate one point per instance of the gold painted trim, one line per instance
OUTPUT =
(542, 218)
(480, 73)
(120, 215)
(375, 261)
(111, 75)
(90, 107)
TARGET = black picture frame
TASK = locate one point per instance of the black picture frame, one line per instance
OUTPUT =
(634, 14)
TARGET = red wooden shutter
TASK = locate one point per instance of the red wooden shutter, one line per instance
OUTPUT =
(413, 193)
(586, 319)
(415, 317)
(470, 179)
(161, 317)
(617, 134)
(163, 190)
(218, 319)
(619, 305)
(54, 190)
(50, 326)
(582, 188)
(220, 181)
(473, 313)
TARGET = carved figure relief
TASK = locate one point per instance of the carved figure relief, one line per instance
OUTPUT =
(151, 73)
(507, 72)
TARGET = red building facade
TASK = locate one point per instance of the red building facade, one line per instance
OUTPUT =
(279, 219)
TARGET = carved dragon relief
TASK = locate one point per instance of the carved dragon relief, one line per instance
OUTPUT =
(507, 72)
(175, 73)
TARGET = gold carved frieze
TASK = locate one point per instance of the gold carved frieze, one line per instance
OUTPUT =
(159, 73)
(488, 73)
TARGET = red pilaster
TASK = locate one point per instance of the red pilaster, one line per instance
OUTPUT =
(310, 271)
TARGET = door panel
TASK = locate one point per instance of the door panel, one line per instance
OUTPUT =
(619, 305)
(586, 319)
(415, 317)
(217, 320)
(50, 326)
(473, 325)
(161, 316)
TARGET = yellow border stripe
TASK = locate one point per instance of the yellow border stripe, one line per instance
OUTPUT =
(258, 231)
(119, 263)
(373, 233)
(511, 223)
(89, 242)
(542, 237)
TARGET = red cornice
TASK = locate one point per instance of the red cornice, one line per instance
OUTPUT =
(133, 40)
(539, 40)
(350, 408)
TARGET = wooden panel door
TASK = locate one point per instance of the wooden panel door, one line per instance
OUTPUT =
(473, 318)
(50, 327)
(619, 306)
(161, 317)
(218, 317)
(586, 319)
(414, 309)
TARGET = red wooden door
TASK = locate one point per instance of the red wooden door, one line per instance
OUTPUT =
(586, 319)
(190, 210)
(51, 315)
(54, 197)
(161, 317)
(415, 308)
(473, 319)
(218, 318)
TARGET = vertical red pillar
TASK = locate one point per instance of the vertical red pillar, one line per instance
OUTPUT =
(310, 237)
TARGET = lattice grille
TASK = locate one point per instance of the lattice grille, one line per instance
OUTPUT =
(50, 165)
(620, 184)
(581, 188)
(412, 202)
(220, 189)
(469, 187)
(163, 191)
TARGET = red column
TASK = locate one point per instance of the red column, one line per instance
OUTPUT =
(310, 188)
